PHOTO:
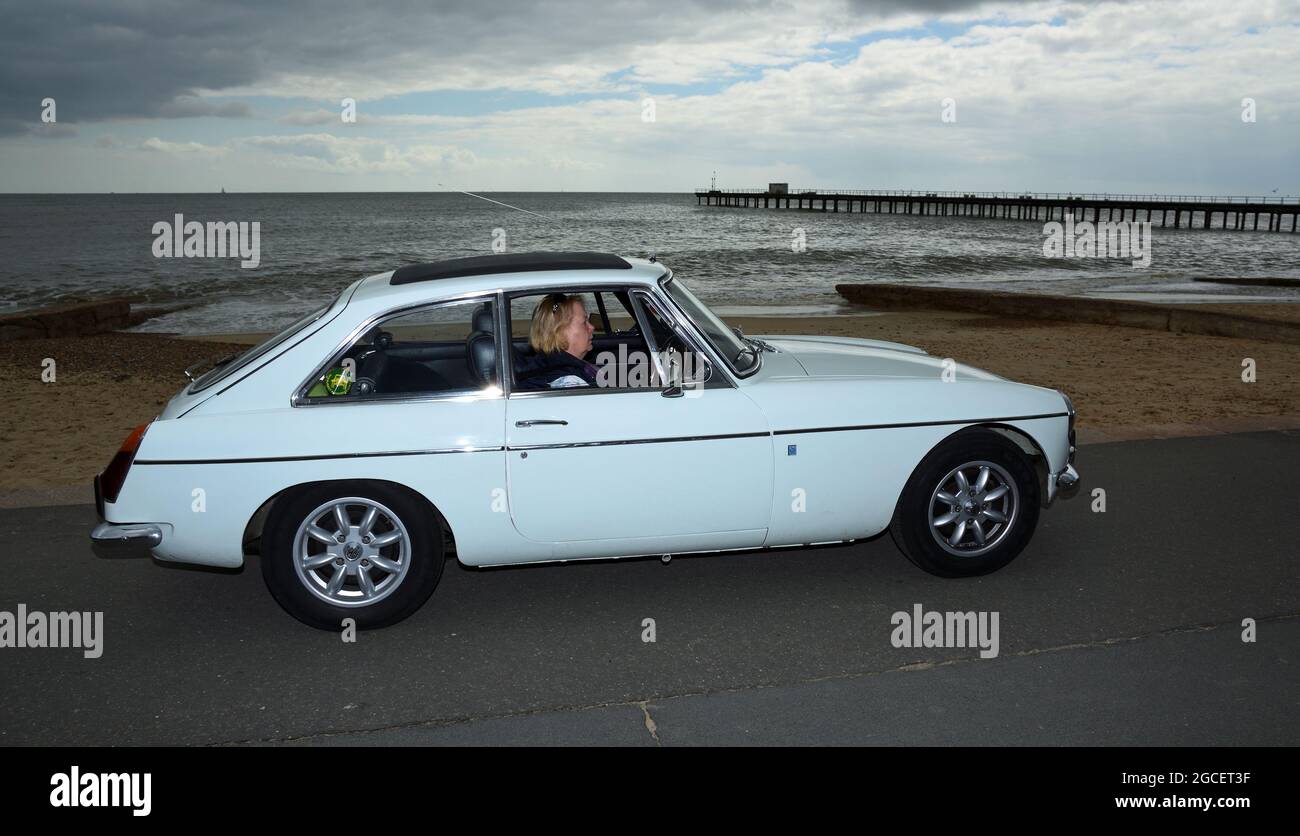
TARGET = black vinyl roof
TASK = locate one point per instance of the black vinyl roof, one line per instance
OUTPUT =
(486, 265)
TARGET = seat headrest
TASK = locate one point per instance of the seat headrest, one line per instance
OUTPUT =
(483, 318)
(482, 350)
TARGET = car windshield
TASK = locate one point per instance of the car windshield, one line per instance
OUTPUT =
(739, 354)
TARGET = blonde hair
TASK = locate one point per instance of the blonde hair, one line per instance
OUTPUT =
(551, 316)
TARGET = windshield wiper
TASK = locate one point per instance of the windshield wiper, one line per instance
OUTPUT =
(752, 341)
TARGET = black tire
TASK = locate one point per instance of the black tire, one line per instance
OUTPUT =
(912, 527)
(292, 592)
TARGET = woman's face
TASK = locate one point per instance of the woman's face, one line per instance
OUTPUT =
(577, 333)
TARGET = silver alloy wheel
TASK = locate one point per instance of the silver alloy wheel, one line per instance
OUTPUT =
(973, 508)
(352, 552)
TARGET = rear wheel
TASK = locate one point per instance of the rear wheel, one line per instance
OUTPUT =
(969, 508)
(362, 550)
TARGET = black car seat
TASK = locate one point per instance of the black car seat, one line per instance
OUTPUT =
(481, 347)
(372, 364)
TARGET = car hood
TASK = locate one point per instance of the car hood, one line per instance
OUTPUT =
(848, 357)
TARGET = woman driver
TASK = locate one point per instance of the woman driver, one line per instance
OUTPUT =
(560, 336)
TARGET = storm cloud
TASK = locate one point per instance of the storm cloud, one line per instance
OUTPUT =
(529, 95)
(103, 59)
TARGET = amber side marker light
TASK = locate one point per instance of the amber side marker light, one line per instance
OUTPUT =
(111, 480)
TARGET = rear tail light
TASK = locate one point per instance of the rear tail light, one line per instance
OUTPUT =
(110, 481)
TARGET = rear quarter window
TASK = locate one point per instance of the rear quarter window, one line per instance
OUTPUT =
(240, 361)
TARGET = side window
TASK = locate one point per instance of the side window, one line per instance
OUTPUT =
(440, 349)
(550, 367)
(621, 318)
(521, 315)
(623, 354)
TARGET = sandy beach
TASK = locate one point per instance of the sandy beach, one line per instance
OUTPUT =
(1125, 382)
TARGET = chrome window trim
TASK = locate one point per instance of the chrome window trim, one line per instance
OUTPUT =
(720, 366)
(299, 398)
(505, 370)
(455, 395)
(675, 324)
(661, 286)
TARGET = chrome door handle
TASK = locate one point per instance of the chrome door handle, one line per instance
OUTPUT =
(541, 423)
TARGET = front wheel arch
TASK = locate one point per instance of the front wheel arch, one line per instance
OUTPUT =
(907, 523)
(1031, 448)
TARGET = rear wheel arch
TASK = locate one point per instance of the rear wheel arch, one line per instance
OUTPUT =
(256, 525)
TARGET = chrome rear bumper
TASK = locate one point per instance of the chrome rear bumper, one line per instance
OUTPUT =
(125, 540)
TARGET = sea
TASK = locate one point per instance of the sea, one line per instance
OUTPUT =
(73, 247)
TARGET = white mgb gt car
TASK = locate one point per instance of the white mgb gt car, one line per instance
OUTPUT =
(472, 405)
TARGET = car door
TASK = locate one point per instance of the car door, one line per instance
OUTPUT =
(633, 467)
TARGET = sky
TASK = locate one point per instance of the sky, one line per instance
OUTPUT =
(623, 95)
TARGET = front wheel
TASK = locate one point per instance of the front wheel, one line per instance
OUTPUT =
(368, 551)
(970, 506)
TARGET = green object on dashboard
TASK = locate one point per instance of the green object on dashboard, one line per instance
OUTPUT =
(337, 381)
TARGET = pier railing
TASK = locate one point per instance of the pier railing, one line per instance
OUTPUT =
(1127, 198)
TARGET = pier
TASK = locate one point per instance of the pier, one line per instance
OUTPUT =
(1272, 213)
